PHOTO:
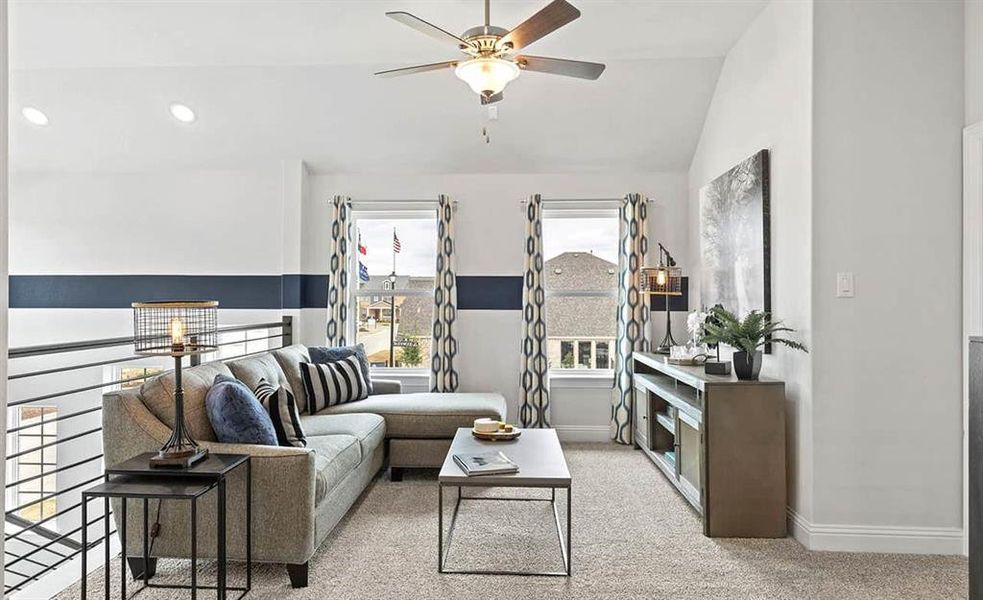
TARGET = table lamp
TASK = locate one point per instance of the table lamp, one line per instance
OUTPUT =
(176, 329)
(666, 279)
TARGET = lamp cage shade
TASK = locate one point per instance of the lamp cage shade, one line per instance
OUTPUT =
(175, 328)
(661, 281)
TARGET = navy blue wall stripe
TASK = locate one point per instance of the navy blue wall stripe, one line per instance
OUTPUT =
(271, 292)
(479, 292)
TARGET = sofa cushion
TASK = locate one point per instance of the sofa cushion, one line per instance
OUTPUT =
(368, 429)
(236, 415)
(426, 415)
(284, 416)
(289, 359)
(158, 396)
(323, 355)
(335, 456)
(333, 383)
(251, 369)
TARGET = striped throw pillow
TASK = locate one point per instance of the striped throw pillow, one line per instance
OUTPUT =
(280, 404)
(333, 383)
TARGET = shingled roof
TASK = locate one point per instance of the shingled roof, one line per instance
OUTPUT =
(585, 317)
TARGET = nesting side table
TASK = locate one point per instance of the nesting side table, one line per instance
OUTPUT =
(136, 479)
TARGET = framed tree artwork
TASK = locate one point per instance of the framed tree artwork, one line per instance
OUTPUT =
(734, 238)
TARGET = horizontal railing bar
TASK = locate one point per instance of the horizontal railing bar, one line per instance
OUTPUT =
(63, 347)
(259, 339)
(37, 524)
(54, 566)
(87, 388)
(98, 363)
(42, 532)
(38, 547)
(54, 443)
(58, 418)
(53, 471)
(50, 496)
(30, 560)
(57, 540)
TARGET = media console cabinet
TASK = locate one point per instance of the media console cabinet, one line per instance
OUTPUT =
(719, 441)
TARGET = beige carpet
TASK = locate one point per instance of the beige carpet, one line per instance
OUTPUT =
(634, 537)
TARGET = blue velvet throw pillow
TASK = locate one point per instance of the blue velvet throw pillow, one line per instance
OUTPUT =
(236, 414)
(323, 355)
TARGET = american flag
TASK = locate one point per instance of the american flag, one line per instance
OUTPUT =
(396, 245)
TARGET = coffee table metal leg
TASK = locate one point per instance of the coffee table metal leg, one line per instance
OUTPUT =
(440, 528)
(122, 554)
(221, 541)
(194, 548)
(249, 524)
(105, 544)
(569, 531)
(146, 542)
(85, 542)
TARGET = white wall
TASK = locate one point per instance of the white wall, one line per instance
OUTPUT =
(763, 100)
(973, 68)
(489, 242)
(4, 230)
(889, 108)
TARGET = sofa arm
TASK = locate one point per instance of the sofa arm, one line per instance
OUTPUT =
(386, 386)
(283, 486)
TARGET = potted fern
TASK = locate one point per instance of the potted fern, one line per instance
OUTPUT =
(746, 336)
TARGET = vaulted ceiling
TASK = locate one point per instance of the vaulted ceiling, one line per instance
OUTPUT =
(293, 79)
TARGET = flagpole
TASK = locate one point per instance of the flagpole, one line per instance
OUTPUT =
(392, 307)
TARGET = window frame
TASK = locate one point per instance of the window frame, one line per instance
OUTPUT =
(593, 374)
(385, 211)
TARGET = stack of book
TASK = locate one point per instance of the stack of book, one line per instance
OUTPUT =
(485, 463)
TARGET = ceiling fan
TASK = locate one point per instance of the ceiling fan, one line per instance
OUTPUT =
(491, 61)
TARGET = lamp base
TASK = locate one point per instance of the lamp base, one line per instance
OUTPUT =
(178, 459)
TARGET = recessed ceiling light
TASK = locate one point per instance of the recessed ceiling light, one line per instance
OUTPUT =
(182, 113)
(34, 116)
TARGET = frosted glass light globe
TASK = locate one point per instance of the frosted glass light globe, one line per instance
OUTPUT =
(487, 76)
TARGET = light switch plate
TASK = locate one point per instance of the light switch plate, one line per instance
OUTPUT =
(844, 285)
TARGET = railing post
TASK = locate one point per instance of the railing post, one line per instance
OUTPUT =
(288, 331)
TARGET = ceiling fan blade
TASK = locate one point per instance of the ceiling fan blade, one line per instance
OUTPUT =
(447, 64)
(556, 14)
(491, 99)
(560, 66)
(426, 28)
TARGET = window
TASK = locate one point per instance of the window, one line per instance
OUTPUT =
(581, 271)
(394, 296)
(36, 467)
(133, 377)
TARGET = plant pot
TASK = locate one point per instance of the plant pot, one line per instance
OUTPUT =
(747, 367)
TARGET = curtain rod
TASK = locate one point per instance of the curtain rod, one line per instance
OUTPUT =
(394, 201)
(583, 200)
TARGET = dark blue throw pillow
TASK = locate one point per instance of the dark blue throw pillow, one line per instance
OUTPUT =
(323, 355)
(236, 414)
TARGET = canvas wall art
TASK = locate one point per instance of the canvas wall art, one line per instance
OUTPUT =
(734, 244)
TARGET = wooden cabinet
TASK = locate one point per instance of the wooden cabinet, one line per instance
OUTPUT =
(719, 441)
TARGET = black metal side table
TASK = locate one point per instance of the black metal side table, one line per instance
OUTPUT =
(135, 478)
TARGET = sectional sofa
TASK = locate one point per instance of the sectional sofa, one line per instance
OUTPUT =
(299, 494)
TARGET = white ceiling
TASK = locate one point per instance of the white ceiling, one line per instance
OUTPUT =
(292, 79)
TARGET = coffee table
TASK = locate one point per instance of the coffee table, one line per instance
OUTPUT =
(541, 465)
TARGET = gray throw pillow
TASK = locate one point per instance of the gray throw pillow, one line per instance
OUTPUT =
(324, 355)
(236, 414)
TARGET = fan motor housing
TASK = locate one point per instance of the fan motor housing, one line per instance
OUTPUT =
(484, 37)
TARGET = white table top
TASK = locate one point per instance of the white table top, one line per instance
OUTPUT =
(536, 451)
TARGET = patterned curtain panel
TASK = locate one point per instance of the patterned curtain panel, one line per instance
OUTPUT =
(341, 235)
(633, 312)
(443, 375)
(534, 380)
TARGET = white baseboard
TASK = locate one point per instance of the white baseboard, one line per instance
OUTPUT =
(882, 539)
(583, 433)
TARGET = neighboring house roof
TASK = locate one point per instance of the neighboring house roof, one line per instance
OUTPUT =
(585, 317)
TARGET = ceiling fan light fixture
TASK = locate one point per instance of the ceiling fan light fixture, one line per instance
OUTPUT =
(487, 76)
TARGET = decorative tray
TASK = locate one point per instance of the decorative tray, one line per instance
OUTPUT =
(498, 436)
